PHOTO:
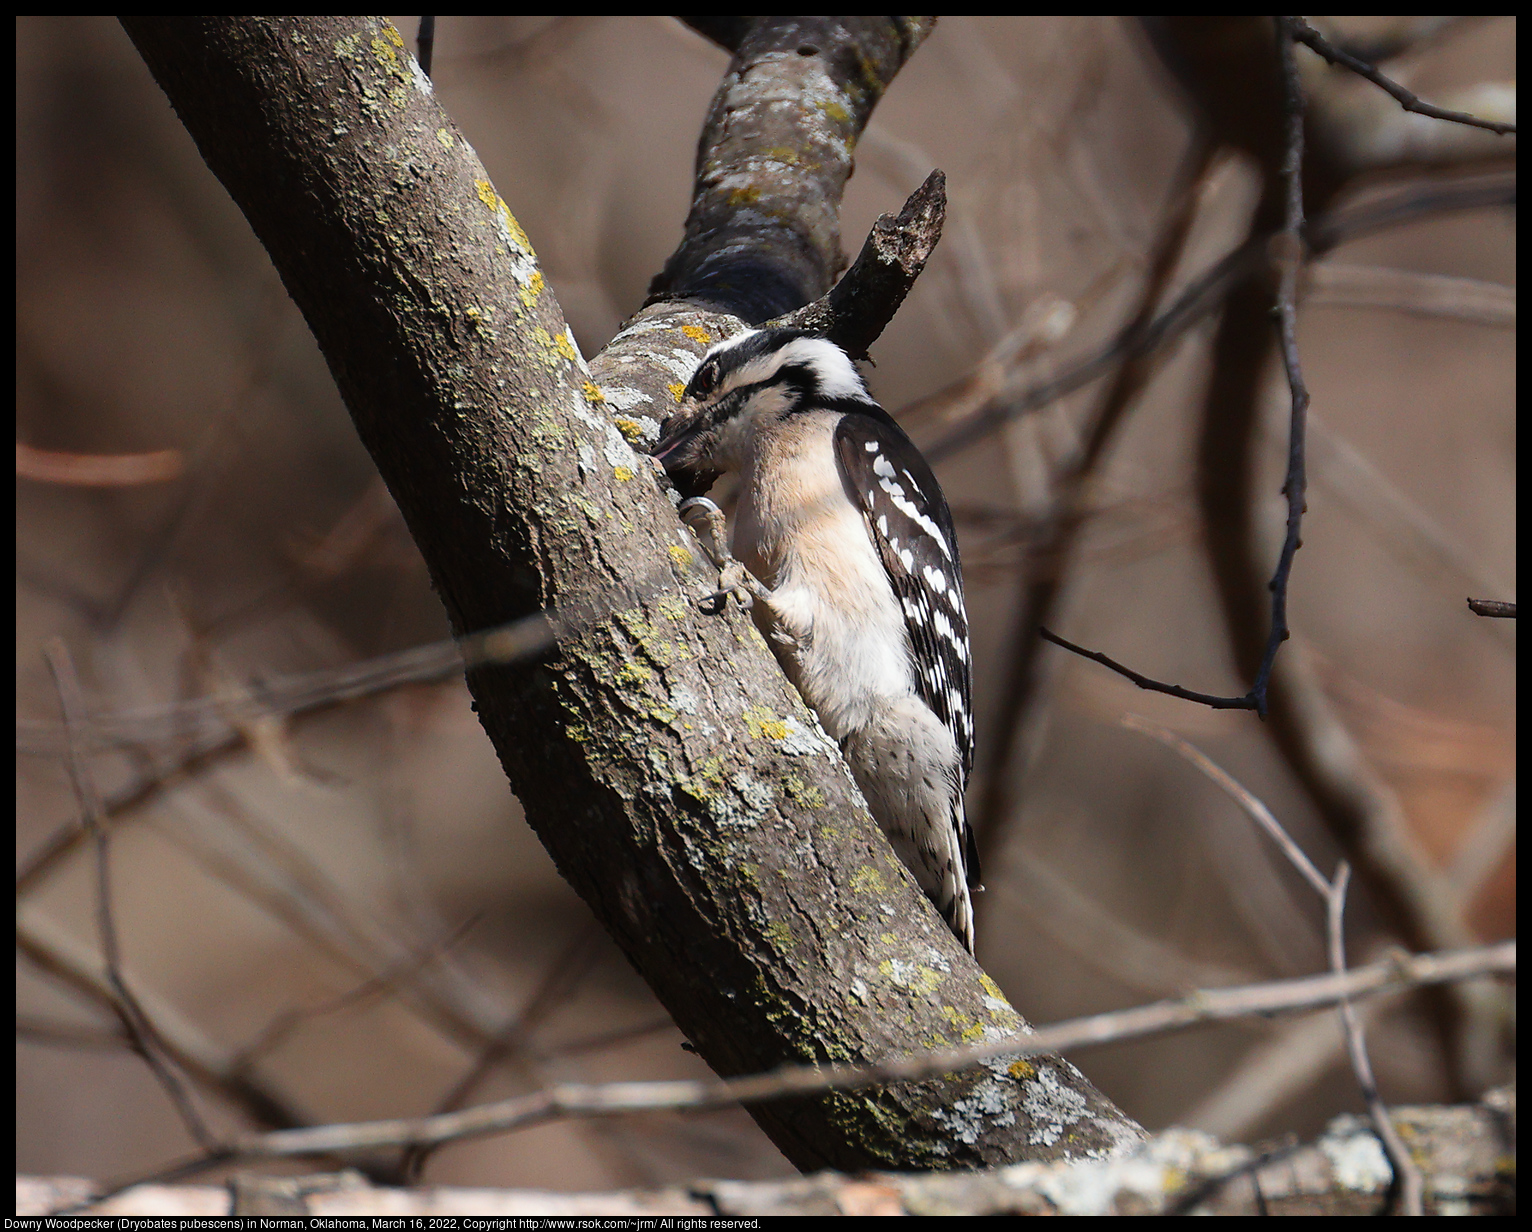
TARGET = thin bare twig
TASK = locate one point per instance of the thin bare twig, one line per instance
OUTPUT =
(1407, 1186)
(1427, 198)
(1211, 700)
(579, 1100)
(1410, 291)
(1254, 808)
(1299, 29)
(285, 1023)
(141, 1032)
(1492, 607)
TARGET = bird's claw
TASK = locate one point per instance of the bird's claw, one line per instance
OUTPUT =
(706, 521)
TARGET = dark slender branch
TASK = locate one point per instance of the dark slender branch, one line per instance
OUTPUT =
(1492, 607)
(558, 983)
(1311, 38)
(1199, 299)
(1247, 702)
(1296, 485)
(425, 42)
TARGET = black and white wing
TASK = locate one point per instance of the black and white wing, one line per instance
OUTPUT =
(908, 519)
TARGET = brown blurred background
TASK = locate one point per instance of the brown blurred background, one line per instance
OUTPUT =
(353, 896)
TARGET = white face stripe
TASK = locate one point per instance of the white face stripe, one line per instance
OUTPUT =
(836, 374)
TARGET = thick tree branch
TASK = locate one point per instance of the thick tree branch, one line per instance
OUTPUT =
(675, 777)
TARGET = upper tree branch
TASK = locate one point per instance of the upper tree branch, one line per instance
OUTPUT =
(763, 235)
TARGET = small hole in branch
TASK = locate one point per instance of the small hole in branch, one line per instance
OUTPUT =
(808, 49)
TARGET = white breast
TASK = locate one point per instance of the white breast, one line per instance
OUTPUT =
(800, 533)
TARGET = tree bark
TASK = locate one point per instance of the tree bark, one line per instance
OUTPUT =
(677, 780)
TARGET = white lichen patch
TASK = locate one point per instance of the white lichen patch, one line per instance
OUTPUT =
(1356, 1156)
(800, 740)
(684, 700)
(754, 801)
(913, 977)
(1050, 1106)
(758, 797)
(987, 1104)
(618, 451)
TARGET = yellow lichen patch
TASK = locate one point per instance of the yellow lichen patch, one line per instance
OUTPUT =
(780, 935)
(385, 54)
(514, 227)
(446, 138)
(749, 194)
(968, 1029)
(629, 429)
(634, 673)
(868, 880)
(697, 334)
(487, 193)
(681, 556)
(532, 289)
(391, 33)
(759, 721)
(622, 473)
(676, 390)
(1022, 1071)
(565, 347)
(803, 793)
(784, 154)
(835, 111)
(595, 397)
